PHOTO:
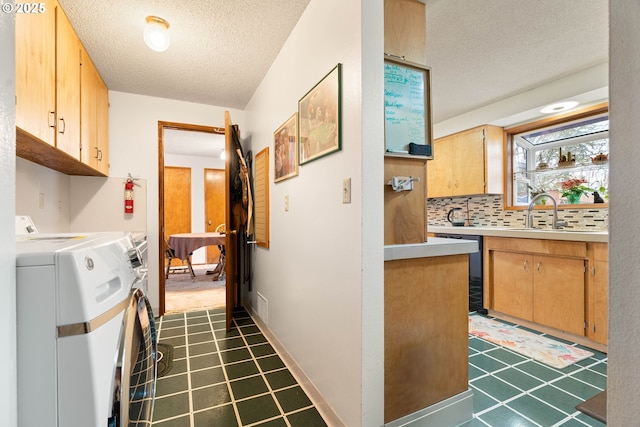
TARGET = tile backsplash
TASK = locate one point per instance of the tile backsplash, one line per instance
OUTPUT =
(488, 211)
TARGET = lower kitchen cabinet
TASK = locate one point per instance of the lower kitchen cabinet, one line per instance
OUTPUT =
(513, 284)
(558, 293)
(598, 293)
(537, 280)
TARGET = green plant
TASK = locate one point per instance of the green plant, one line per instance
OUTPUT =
(574, 188)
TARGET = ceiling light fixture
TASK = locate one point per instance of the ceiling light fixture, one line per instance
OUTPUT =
(156, 34)
(558, 107)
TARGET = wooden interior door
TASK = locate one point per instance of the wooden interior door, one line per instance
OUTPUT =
(214, 203)
(231, 240)
(177, 202)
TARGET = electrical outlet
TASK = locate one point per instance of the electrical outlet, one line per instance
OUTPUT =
(286, 203)
(346, 190)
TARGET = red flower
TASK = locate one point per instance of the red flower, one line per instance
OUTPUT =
(571, 183)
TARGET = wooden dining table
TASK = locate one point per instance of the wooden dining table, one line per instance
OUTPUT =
(183, 244)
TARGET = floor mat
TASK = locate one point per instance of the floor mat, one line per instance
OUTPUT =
(537, 347)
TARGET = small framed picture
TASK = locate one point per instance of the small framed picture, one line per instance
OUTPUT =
(285, 141)
(319, 131)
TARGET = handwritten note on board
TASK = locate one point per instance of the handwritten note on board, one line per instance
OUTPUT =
(405, 106)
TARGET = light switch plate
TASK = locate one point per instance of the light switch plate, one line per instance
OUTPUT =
(286, 203)
(346, 190)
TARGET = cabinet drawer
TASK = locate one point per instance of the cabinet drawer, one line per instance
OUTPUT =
(546, 247)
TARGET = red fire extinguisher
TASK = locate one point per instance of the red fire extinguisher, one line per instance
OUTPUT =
(128, 196)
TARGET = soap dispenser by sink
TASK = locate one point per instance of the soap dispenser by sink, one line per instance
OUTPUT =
(456, 217)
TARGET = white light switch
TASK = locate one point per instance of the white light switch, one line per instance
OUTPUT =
(286, 202)
(346, 190)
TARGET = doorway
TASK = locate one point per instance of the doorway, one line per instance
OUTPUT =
(190, 143)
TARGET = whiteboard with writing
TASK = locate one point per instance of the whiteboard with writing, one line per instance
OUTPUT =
(406, 105)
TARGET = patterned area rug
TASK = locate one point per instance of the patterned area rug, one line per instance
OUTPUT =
(537, 347)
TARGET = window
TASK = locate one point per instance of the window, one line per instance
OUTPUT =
(566, 158)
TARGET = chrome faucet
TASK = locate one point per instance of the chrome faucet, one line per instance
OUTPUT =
(533, 202)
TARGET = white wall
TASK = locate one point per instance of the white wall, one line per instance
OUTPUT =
(8, 391)
(133, 148)
(624, 267)
(43, 194)
(97, 204)
(313, 274)
(197, 164)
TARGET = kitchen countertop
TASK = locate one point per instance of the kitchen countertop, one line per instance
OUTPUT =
(575, 235)
(434, 246)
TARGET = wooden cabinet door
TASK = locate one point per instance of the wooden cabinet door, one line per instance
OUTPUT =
(599, 297)
(438, 169)
(558, 293)
(512, 284)
(67, 86)
(598, 292)
(467, 162)
(35, 73)
(405, 30)
(458, 165)
(94, 108)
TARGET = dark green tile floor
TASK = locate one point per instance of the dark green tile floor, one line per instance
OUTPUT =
(512, 390)
(226, 379)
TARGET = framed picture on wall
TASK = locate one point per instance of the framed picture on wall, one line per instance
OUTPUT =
(285, 142)
(319, 127)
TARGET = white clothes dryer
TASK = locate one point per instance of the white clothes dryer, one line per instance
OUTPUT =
(83, 326)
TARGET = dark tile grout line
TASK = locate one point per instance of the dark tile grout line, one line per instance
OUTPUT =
(562, 375)
(241, 333)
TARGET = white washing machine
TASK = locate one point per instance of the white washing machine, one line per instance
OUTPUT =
(86, 335)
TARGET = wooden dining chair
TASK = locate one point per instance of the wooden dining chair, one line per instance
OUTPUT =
(170, 254)
(219, 270)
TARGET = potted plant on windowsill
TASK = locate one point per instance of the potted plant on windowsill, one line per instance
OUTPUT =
(573, 189)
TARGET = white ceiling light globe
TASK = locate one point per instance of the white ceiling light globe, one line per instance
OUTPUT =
(156, 34)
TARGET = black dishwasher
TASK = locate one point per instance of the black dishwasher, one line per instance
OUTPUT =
(475, 271)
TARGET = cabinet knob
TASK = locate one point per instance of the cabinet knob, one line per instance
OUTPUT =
(539, 264)
(524, 265)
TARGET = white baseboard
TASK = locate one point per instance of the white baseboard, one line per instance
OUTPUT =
(451, 412)
(328, 414)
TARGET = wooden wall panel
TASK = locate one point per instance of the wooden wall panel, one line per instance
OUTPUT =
(425, 332)
(405, 218)
(261, 198)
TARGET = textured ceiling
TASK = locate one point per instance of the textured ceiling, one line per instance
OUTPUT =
(481, 52)
(219, 53)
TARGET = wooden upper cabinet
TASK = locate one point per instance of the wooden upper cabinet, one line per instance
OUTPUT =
(67, 86)
(35, 73)
(405, 30)
(467, 163)
(94, 123)
(48, 95)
